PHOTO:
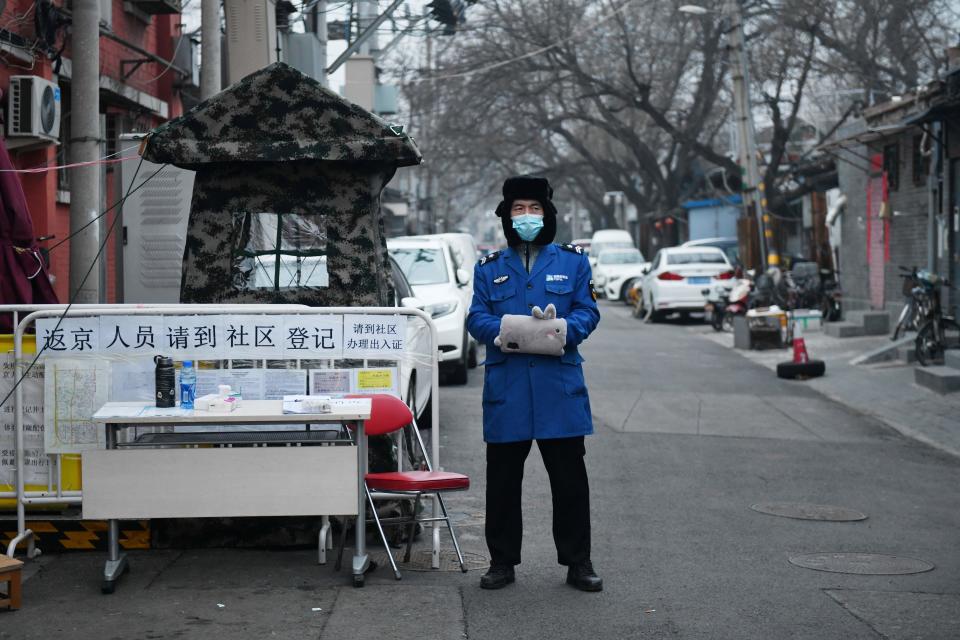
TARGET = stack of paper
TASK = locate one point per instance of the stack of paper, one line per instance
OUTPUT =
(306, 404)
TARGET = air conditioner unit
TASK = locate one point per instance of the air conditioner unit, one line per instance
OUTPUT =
(251, 34)
(34, 108)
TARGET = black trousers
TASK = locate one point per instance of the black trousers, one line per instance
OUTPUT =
(563, 458)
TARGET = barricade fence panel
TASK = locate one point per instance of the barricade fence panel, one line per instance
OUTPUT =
(95, 355)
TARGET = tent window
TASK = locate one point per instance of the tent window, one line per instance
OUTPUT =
(279, 251)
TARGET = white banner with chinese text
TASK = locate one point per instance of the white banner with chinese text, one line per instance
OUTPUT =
(286, 336)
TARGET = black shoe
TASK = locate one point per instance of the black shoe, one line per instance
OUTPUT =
(497, 577)
(582, 576)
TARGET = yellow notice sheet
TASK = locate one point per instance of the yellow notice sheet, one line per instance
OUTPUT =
(369, 380)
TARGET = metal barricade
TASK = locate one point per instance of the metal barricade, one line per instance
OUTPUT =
(56, 495)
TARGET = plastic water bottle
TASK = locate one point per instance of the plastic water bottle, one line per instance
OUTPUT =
(188, 385)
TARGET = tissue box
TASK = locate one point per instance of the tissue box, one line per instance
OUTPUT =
(214, 403)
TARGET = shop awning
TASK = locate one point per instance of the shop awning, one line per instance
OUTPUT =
(871, 134)
(937, 112)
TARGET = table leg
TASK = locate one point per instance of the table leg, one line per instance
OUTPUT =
(361, 562)
(116, 564)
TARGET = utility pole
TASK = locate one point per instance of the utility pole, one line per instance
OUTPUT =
(366, 14)
(209, 48)
(746, 133)
(318, 26)
(431, 108)
(85, 147)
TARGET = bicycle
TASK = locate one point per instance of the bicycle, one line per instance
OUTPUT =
(916, 288)
(940, 332)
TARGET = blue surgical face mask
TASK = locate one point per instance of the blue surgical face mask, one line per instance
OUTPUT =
(527, 226)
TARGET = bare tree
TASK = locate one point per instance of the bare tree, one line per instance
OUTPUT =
(631, 95)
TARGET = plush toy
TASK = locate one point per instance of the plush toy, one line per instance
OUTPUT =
(541, 333)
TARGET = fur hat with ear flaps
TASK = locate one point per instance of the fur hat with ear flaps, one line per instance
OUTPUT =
(528, 187)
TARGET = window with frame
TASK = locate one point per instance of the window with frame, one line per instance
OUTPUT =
(891, 165)
(274, 251)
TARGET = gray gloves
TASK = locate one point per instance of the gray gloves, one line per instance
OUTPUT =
(541, 333)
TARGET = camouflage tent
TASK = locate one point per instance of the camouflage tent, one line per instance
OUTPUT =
(286, 201)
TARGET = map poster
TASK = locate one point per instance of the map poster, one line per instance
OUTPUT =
(73, 391)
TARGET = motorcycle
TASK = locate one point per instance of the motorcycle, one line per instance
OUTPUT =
(831, 306)
(717, 300)
(811, 287)
(723, 303)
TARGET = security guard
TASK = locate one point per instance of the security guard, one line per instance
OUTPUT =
(528, 396)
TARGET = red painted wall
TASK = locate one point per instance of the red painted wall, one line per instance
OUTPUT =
(49, 217)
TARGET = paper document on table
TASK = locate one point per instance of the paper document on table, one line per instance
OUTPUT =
(306, 404)
(349, 404)
(118, 411)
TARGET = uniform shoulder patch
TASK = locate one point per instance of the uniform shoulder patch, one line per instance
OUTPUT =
(575, 248)
(490, 257)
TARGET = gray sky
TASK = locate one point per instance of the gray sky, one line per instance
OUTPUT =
(336, 10)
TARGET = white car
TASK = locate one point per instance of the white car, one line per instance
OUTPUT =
(443, 288)
(605, 239)
(416, 381)
(677, 277)
(616, 272)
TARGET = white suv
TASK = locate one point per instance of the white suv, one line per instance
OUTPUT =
(445, 290)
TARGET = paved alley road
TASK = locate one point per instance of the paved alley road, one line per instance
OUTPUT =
(689, 435)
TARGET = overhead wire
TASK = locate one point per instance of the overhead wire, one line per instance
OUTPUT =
(112, 207)
(173, 57)
(93, 264)
(41, 168)
(530, 54)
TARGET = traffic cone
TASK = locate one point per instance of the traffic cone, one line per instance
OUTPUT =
(801, 367)
(799, 346)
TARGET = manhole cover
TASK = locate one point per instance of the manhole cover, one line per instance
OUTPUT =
(866, 564)
(802, 511)
(420, 560)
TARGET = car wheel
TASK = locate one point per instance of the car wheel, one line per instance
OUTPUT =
(801, 370)
(652, 314)
(412, 449)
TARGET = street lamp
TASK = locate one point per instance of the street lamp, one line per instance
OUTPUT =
(747, 135)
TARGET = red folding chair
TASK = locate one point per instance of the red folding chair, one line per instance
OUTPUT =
(388, 414)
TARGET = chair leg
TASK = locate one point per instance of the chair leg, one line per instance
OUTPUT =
(383, 536)
(453, 536)
(413, 528)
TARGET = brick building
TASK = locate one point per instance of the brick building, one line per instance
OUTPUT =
(141, 86)
(899, 168)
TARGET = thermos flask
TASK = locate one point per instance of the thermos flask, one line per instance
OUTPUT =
(166, 382)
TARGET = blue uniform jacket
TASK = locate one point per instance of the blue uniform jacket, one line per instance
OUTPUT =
(529, 397)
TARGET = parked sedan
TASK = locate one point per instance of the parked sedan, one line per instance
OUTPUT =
(678, 276)
(430, 268)
(416, 381)
(616, 272)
